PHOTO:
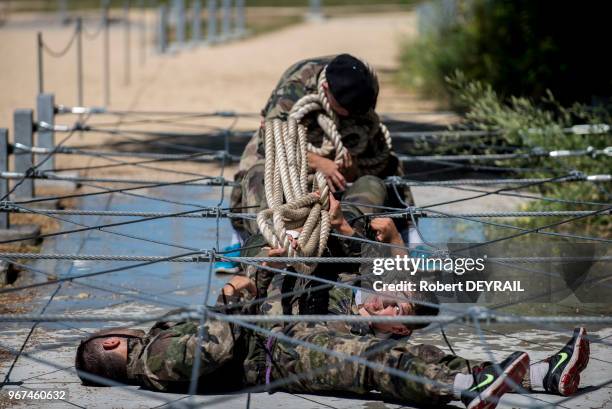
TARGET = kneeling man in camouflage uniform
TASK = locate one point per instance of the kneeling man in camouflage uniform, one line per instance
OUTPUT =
(351, 90)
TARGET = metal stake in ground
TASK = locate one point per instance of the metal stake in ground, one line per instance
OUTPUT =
(4, 217)
(23, 130)
(315, 10)
(126, 42)
(62, 9)
(179, 12)
(106, 59)
(45, 111)
(196, 21)
(19, 231)
(212, 22)
(226, 22)
(143, 31)
(239, 18)
(79, 61)
(39, 53)
(162, 24)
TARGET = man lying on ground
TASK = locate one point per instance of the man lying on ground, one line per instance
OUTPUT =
(163, 359)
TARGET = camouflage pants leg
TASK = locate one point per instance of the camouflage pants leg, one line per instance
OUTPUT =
(429, 371)
(365, 192)
(359, 199)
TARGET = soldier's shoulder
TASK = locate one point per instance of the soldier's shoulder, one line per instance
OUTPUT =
(308, 65)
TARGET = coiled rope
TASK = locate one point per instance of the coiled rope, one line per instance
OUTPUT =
(291, 204)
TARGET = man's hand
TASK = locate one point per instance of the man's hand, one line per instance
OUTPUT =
(237, 284)
(336, 217)
(330, 169)
(385, 230)
(278, 252)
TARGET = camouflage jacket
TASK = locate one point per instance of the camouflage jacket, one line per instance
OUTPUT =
(164, 359)
(297, 81)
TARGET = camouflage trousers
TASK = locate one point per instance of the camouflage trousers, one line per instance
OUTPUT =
(429, 371)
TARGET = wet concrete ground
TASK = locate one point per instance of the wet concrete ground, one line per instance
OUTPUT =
(47, 359)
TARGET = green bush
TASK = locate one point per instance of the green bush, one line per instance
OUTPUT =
(521, 47)
(526, 124)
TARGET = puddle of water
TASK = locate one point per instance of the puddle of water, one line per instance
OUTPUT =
(452, 231)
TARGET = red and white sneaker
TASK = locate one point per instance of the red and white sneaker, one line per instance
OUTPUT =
(564, 368)
(489, 386)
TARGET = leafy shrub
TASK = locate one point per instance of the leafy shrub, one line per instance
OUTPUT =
(526, 124)
(521, 47)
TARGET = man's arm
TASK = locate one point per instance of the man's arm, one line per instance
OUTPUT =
(166, 363)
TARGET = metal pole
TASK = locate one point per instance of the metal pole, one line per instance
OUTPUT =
(212, 21)
(79, 39)
(226, 22)
(39, 48)
(315, 10)
(63, 11)
(126, 43)
(162, 24)
(45, 112)
(143, 32)
(196, 30)
(179, 11)
(4, 217)
(23, 129)
(106, 59)
(239, 26)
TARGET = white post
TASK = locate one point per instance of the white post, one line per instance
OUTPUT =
(162, 26)
(212, 21)
(226, 19)
(23, 131)
(4, 187)
(45, 112)
(239, 18)
(196, 21)
(315, 12)
(179, 10)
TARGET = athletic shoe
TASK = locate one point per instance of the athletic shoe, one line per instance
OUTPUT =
(488, 386)
(564, 367)
(229, 267)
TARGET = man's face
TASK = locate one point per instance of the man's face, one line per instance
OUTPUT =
(335, 106)
(390, 307)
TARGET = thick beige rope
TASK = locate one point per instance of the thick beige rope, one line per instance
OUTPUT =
(292, 205)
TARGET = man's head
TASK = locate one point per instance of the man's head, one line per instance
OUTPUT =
(400, 304)
(351, 88)
(105, 354)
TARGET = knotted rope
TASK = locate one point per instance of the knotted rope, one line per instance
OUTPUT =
(291, 203)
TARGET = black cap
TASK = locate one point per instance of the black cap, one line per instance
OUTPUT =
(352, 84)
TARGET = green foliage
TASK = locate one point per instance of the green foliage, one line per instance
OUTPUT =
(425, 63)
(526, 124)
(521, 47)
